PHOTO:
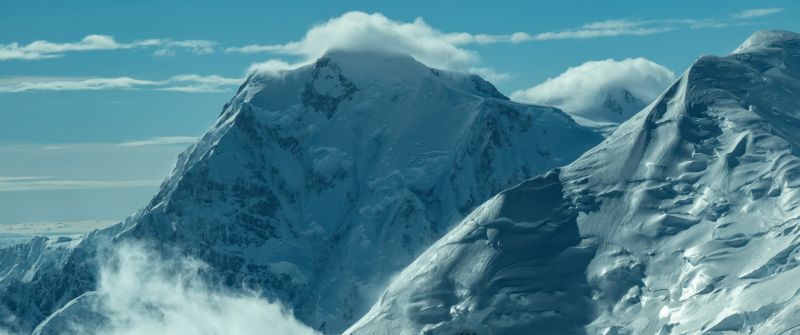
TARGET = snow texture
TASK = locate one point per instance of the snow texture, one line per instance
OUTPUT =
(683, 221)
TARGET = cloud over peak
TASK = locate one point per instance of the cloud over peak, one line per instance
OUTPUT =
(359, 31)
(584, 90)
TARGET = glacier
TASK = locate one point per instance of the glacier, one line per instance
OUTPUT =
(685, 220)
(315, 186)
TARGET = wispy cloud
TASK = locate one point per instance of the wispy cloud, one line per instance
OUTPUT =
(197, 47)
(376, 29)
(21, 179)
(634, 27)
(193, 83)
(18, 184)
(357, 30)
(75, 84)
(254, 49)
(608, 28)
(38, 50)
(161, 140)
(362, 31)
(141, 292)
(490, 74)
(57, 228)
(189, 83)
(617, 27)
(756, 12)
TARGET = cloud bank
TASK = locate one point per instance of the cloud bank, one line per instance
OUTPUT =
(188, 83)
(41, 49)
(582, 90)
(161, 140)
(359, 31)
(141, 293)
(19, 184)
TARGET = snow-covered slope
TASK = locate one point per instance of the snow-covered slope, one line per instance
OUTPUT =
(316, 185)
(685, 221)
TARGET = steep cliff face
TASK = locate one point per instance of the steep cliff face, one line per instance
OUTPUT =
(316, 185)
(684, 221)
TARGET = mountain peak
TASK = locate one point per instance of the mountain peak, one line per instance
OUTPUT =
(769, 39)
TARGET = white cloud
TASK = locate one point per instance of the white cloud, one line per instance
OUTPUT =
(78, 84)
(756, 12)
(20, 179)
(254, 49)
(41, 49)
(142, 293)
(197, 47)
(19, 184)
(362, 31)
(190, 83)
(358, 31)
(582, 90)
(161, 140)
(608, 28)
(272, 67)
(490, 74)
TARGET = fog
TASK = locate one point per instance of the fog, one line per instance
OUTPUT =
(140, 292)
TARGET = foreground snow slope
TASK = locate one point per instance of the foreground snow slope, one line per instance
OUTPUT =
(684, 221)
(315, 186)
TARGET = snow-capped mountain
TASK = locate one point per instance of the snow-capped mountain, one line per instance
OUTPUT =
(683, 221)
(314, 186)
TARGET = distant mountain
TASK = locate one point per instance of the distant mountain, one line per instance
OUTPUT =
(315, 186)
(684, 221)
(602, 94)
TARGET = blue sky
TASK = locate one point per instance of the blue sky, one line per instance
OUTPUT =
(162, 70)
